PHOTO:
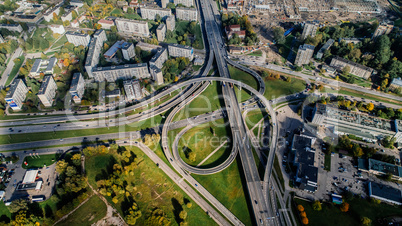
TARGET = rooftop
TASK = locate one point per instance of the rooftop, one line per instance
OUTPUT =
(160, 27)
(180, 46)
(186, 8)
(132, 21)
(76, 34)
(306, 46)
(90, 53)
(45, 83)
(13, 87)
(157, 54)
(125, 66)
(103, 21)
(155, 68)
(384, 167)
(353, 64)
(74, 81)
(397, 82)
(385, 192)
(327, 45)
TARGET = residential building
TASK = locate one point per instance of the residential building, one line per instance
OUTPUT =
(309, 29)
(379, 168)
(189, 14)
(75, 23)
(58, 29)
(161, 32)
(355, 68)
(128, 51)
(164, 3)
(42, 66)
(307, 173)
(150, 13)
(94, 51)
(148, 47)
(48, 16)
(1, 39)
(113, 93)
(365, 126)
(156, 74)
(170, 23)
(101, 36)
(68, 15)
(132, 88)
(235, 49)
(384, 28)
(11, 27)
(385, 193)
(47, 91)
(396, 83)
(77, 87)
(324, 48)
(127, 71)
(186, 3)
(78, 39)
(176, 50)
(136, 27)
(16, 94)
(111, 52)
(106, 24)
(234, 29)
(350, 40)
(304, 54)
(77, 3)
(159, 58)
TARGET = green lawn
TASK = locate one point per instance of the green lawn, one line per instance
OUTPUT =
(89, 213)
(257, 53)
(253, 117)
(202, 141)
(153, 188)
(242, 76)
(357, 80)
(4, 212)
(277, 88)
(242, 95)
(15, 70)
(39, 161)
(278, 170)
(327, 162)
(227, 187)
(60, 42)
(332, 216)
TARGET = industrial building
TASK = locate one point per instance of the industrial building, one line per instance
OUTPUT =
(127, 71)
(135, 27)
(304, 54)
(132, 89)
(186, 3)
(380, 168)
(78, 39)
(161, 32)
(42, 66)
(159, 58)
(385, 193)
(176, 50)
(309, 29)
(355, 68)
(77, 87)
(189, 14)
(384, 28)
(170, 23)
(324, 48)
(47, 91)
(150, 13)
(368, 127)
(16, 94)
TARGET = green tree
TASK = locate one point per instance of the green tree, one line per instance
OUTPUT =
(365, 221)
(345, 70)
(279, 36)
(183, 215)
(76, 159)
(18, 205)
(383, 51)
(61, 166)
(317, 206)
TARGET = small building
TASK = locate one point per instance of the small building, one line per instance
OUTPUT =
(396, 84)
(77, 87)
(384, 28)
(235, 49)
(337, 199)
(127, 50)
(329, 69)
(132, 89)
(30, 176)
(42, 66)
(12, 27)
(106, 24)
(161, 32)
(75, 23)
(76, 3)
(234, 29)
(58, 29)
(16, 94)
(47, 91)
(113, 94)
(349, 40)
(324, 48)
(148, 47)
(385, 193)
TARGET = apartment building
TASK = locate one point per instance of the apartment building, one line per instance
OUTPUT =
(186, 3)
(309, 29)
(11, 27)
(48, 16)
(77, 87)
(47, 91)
(150, 13)
(68, 15)
(164, 3)
(106, 24)
(16, 94)
(127, 71)
(128, 50)
(132, 89)
(161, 32)
(156, 74)
(101, 36)
(355, 68)
(58, 29)
(94, 51)
(135, 27)
(189, 14)
(304, 54)
(148, 47)
(176, 50)
(78, 39)
(170, 23)
(324, 48)
(159, 58)
(383, 28)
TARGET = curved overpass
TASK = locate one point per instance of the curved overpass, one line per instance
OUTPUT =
(261, 83)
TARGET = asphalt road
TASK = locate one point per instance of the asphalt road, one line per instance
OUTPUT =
(18, 52)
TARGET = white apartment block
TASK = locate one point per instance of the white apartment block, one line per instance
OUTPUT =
(48, 16)
(47, 91)
(94, 51)
(156, 74)
(11, 27)
(58, 29)
(127, 71)
(170, 23)
(304, 54)
(355, 68)
(136, 27)
(383, 28)
(164, 3)
(77, 87)
(186, 3)
(176, 50)
(101, 36)
(128, 51)
(78, 39)
(189, 14)
(150, 13)
(161, 32)
(132, 89)
(159, 58)
(17, 94)
(309, 30)
(68, 15)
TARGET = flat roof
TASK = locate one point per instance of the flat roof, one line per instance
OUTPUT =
(36, 65)
(127, 45)
(180, 46)
(353, 63)
(112, 50)
(161, 26)
(98, 32)
(50, 65)
(186, 8)
(131, 21)
(306, 46)
(74, 81)
(327, 45)
(45, 83)
(30, 176)
(157, 54)
(91, 49)
(76, 34)
(125, 66)
(385, 167)
(13, 87)
(385, 192)
(155, 68)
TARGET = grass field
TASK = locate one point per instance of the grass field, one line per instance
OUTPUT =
(202, 141)
(327, 162)
(253, 117)
(60, 42)
(153, 189)
(257, 53)
(243, 77)
(227, 187)
(89, 213)
(4, 212)
(242, 95)
(39, 161)
(277, 88)
(357, 80)
(15, 70)
(278, 170)
(28, 137)
(358, 208)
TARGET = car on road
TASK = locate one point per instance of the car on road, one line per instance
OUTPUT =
(19, 131)
(255, 201)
